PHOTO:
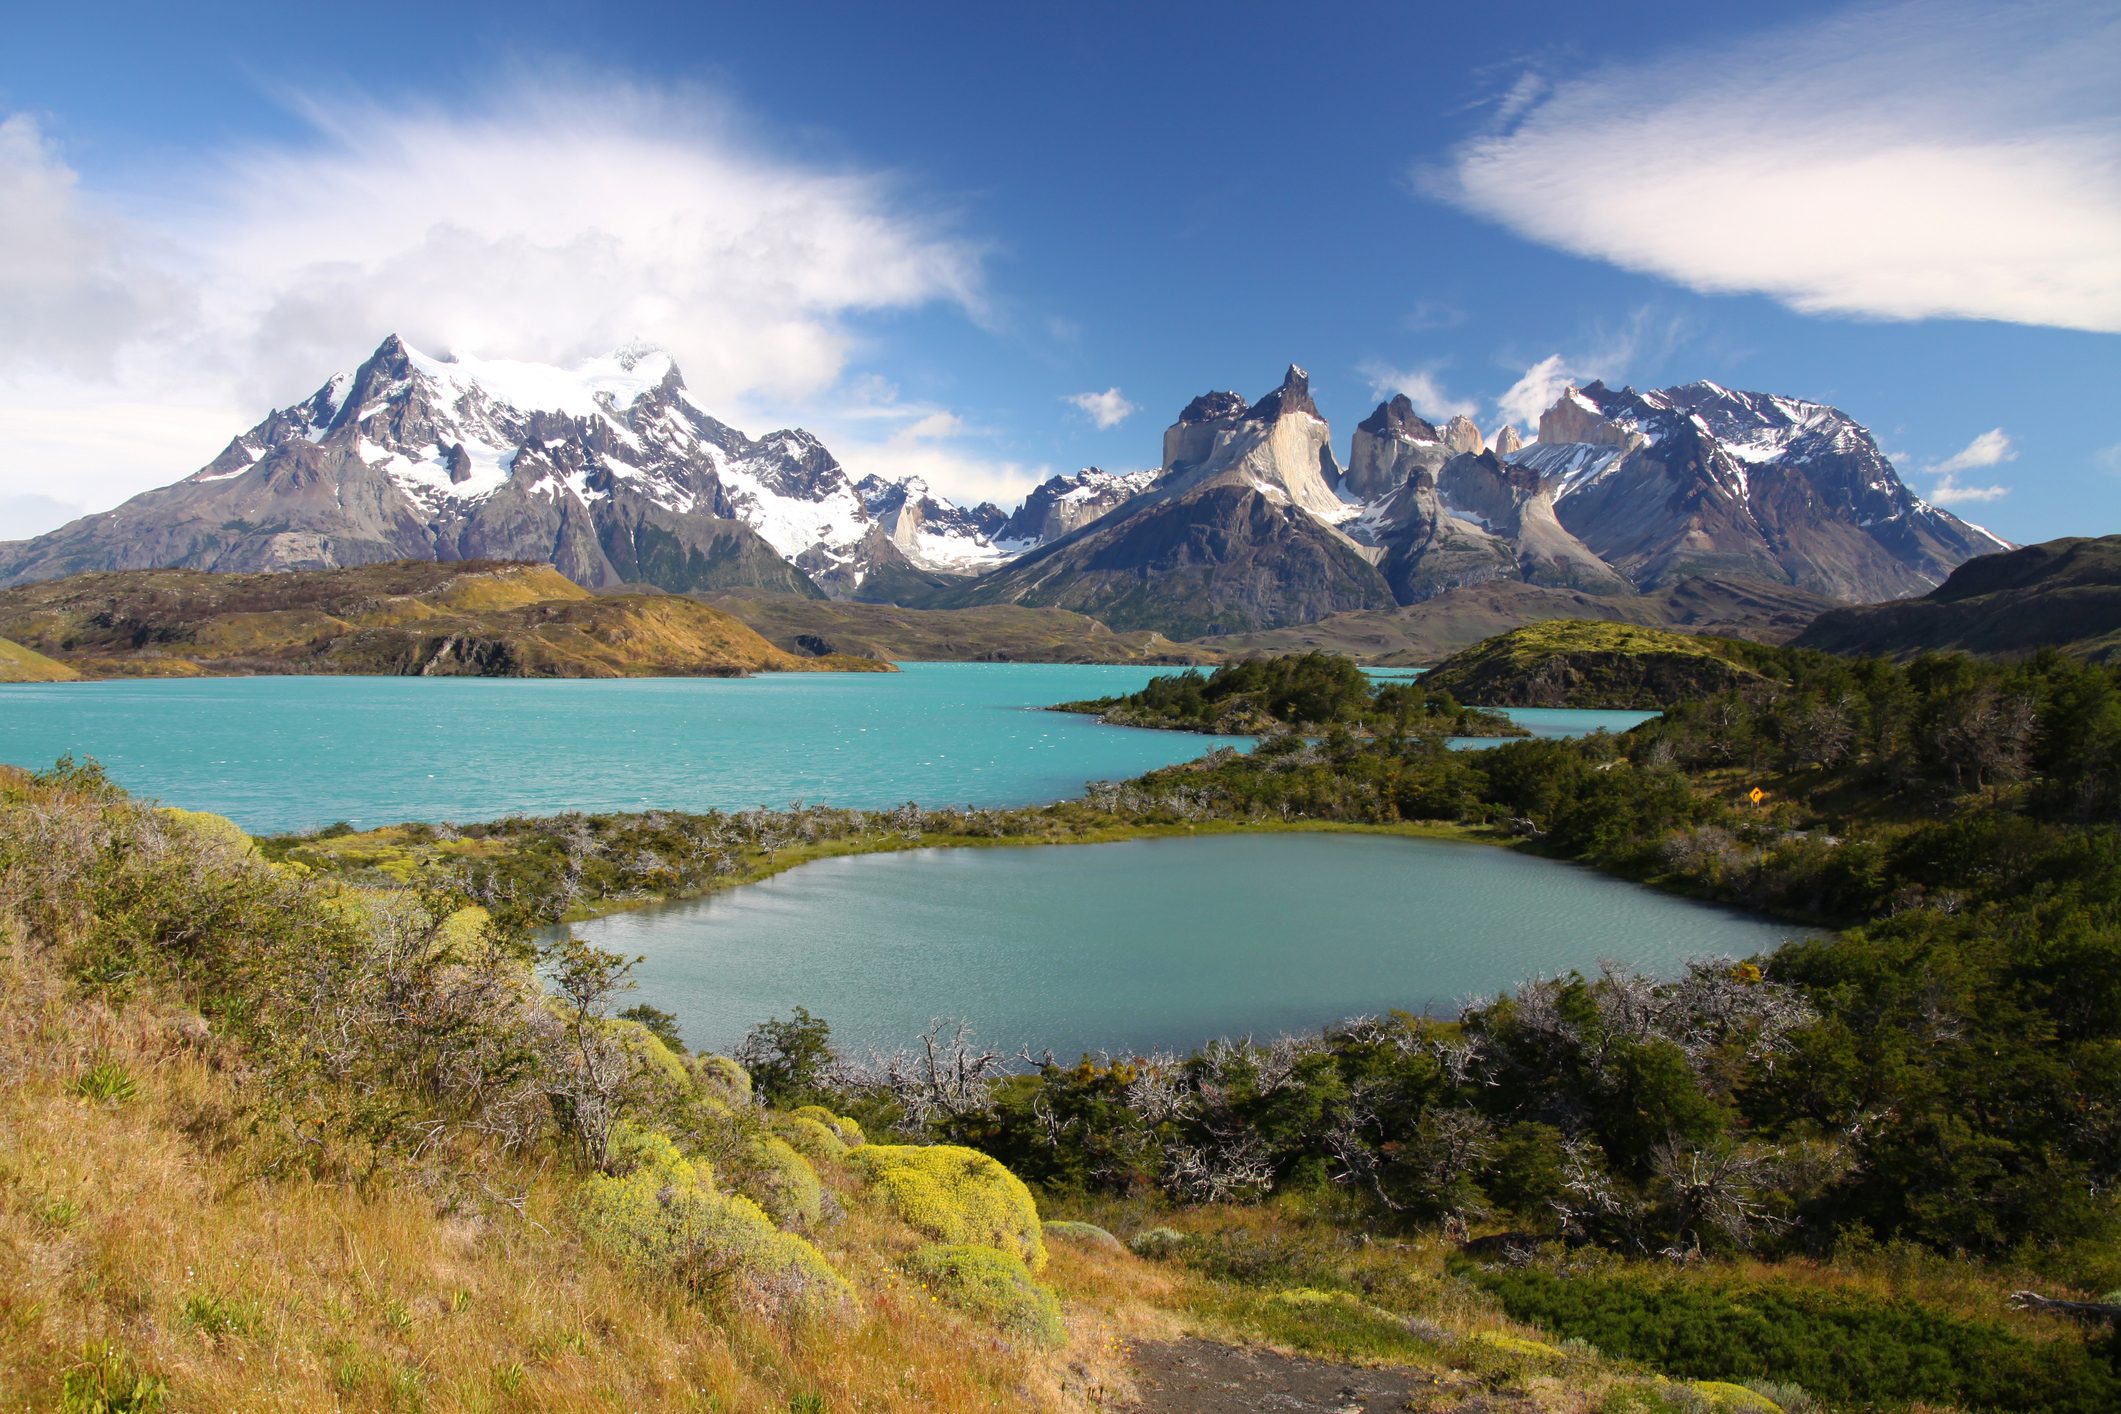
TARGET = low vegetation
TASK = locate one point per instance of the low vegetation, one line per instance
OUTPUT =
(19, 664)
(1799, 1180)
(470, 618)
(1306, 692)
(275, 1141)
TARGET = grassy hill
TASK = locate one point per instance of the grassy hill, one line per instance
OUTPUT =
(1416, 635)
(471, 618)
(2062, 594)
(998, 633)
(19, 664)
(1576, 663)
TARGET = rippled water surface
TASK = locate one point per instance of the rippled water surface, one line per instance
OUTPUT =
(1152, 942)
(291, 753)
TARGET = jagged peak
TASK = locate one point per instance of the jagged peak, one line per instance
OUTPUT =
(1293, 396)
(1397, 416)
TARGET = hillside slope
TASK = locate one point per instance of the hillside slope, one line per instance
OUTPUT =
(465, 619)
(1564, 663)
(19, 664)
(1416, 635)
(2058, 594)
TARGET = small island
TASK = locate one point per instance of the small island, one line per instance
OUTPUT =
(1300, 692)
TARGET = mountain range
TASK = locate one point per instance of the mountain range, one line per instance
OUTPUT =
(614, 474)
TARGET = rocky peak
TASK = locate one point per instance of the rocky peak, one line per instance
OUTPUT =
(1590, 414)
(383, 370)
(1397, 418)
(1213, 407)
(1293, 396)
(1462, 434)
(1507, 441)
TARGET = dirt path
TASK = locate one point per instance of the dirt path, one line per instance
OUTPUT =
(1194, 1376)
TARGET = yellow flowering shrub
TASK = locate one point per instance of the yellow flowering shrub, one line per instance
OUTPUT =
(992, 1286)
(955, 1195)
(658, 1211)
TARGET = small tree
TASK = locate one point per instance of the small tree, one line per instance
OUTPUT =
(590, 1077)
(790, 1061)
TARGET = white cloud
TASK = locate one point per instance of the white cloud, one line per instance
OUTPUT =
(1907, 161)
(1989, 449)
(1422, 389)
(551, 220)
(1948, 492)
(2108, 459)
(1107, 409)
(954, 457)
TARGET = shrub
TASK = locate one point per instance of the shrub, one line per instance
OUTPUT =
(1089, 1234)
(1846, 1347)
(658, 1211)
(955, 1195)
(846, 1130)
(723, 1079)
(993, 1286)
(812, 1139)
(1727, 1398)
(772, 1174)
(1157, 1243)
(209, 828)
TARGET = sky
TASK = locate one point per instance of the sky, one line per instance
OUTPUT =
(985, 244)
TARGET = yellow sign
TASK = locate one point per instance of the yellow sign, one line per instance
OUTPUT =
(1756, 795)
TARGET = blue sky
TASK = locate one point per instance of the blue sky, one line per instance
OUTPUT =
(931, 232)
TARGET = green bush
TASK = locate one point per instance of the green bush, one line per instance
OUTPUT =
(955, 1195)
(993, 1286)
(811, 1139)
(658, 1211)
(1845, 1347)
(767, 1170)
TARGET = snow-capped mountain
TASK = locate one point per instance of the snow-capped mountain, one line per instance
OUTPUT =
(1700, 479)
(609, 470)
(613, 473)
(1251, 523)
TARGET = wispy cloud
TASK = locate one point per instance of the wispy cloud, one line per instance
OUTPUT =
(1949, 492)
(548, 219)
(1647, 335)
(1901, 161)
(2108, 459)
(1991, 448)
(1422, 389)
(1107, 409)
(874, 433)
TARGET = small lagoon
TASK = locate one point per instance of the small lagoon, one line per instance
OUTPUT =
(1164, 942)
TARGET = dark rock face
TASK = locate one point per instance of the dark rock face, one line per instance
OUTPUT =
(1293, 396)
(1398, 418)
(1212, 407)
(1222, 559)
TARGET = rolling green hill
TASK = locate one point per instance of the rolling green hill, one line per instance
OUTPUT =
(1579, 663)
(19, 664)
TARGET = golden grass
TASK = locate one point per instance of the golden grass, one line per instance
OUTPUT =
(19, 664)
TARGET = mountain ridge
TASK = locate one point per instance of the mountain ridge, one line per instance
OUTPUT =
(612, 472)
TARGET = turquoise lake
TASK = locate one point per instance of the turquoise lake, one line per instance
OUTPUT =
(1166, 942)
(294, 753)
